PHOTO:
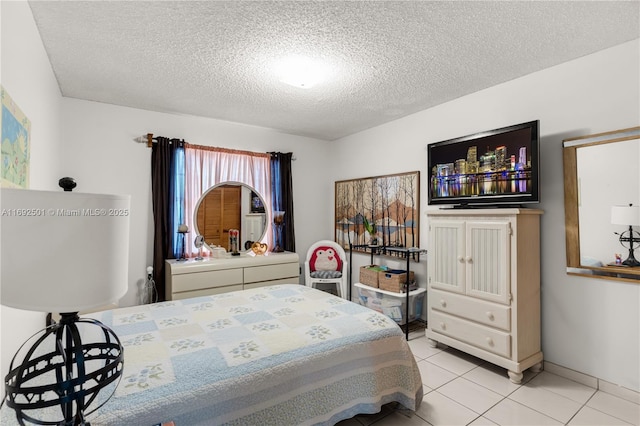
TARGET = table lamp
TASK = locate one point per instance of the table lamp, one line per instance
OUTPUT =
(63, 252)
(629, 216)
(182, 230)
(278, 221)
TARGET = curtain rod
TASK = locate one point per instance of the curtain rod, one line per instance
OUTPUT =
(149, 140)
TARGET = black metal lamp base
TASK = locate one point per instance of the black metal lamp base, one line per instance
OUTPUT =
(631, 260)
(632, 242)
(61, 371)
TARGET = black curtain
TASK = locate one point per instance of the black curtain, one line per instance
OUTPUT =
(162, 190)
(282, 195)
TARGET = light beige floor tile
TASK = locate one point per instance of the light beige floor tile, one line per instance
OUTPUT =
(421, 349)
(434, 376)
(616, 407)
(470, 394)
(459, 387)
(439, 410)
(565, 387)
(455, 361)
(546, 402)
(493, 378)
(512, 413)
(587, 416)
(482, 421)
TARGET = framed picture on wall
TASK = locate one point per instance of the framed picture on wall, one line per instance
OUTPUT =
(14, 134)
(379, 210)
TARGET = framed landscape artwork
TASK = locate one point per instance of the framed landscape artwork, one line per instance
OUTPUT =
(14, 134)
(379, 210)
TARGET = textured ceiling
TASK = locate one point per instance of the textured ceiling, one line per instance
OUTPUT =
(388, 58)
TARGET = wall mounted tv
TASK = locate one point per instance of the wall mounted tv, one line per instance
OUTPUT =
(496, 167)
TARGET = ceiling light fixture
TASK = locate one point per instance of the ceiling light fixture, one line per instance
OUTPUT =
(301, 71)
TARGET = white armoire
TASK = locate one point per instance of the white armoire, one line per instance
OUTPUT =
(483, 285)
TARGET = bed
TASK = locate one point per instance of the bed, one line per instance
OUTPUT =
(278, 355)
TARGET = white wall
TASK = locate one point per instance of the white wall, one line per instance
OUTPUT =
(589, 325)
(28, 78)
(102, 156)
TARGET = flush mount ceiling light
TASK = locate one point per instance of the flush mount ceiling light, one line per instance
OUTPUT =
(301, 71)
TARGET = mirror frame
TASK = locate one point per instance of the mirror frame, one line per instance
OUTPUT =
(572, 223)
(231, 182)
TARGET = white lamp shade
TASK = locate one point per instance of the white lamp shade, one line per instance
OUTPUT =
(63, 251)
(625, 215)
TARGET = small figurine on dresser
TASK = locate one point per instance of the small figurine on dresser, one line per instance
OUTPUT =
(234, 236)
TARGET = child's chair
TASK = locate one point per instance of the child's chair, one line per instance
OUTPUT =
(326, 263)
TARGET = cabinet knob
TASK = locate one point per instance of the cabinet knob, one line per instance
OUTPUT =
(443, 303)
(460, 259)
(490, 315)
(468, 259)
(489, 341)
(443, 326)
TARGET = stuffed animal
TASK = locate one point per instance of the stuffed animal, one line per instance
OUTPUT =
(325, 259)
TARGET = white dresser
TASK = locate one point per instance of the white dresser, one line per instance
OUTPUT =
(483, 288)
(191, 278)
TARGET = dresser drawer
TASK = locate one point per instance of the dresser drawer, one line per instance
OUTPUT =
(488, 313)
(272, 282)
(474, 334)
(208, 279)
(205, 292)
(279, 271)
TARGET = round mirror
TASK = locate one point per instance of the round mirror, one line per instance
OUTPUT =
(230, 205)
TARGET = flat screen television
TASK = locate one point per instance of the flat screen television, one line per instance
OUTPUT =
(497, 167)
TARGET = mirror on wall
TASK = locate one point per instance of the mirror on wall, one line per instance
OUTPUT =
(600, 171)
(230, 205)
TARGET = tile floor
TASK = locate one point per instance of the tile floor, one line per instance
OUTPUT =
(460, 389)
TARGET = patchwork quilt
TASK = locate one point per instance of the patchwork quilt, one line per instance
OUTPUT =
(279, 355)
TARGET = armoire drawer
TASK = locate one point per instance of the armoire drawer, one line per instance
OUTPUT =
(488, 313)
(474, 334)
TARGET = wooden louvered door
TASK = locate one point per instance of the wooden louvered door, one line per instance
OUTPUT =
(220, 211)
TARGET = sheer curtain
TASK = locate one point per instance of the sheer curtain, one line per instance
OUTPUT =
(206, 166)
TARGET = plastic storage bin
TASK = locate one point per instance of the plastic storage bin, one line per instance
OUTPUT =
(392, 304)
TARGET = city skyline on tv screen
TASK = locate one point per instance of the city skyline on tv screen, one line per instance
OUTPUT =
(486, 166)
